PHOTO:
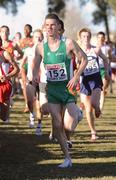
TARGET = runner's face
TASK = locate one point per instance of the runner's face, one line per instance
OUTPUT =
(4, 33)
(27, 31)
(101, 38)
(37, 37)
(17, 37)
(85, 38)
(51, 26)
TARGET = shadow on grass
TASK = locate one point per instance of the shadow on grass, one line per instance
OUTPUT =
(21, 156)
(105, 136)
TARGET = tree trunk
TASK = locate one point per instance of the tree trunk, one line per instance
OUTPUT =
(107, 28)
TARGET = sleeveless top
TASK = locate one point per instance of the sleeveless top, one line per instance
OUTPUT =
(93, 64)
(104, 49)
(57, 64)
(9, 48)
(42, 74)
(30, 52)
(5, 67)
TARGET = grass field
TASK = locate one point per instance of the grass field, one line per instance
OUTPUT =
(24, 156)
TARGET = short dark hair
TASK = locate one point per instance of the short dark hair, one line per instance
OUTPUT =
(52, 16)
(101, 33)
(61, 23)
(85, 30)
(4, 26)
(0, 42)
(19, 34)
(30, 27)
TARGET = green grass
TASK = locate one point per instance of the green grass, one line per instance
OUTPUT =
(24, 156)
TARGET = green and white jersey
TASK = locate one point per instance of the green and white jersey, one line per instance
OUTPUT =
(57, 63)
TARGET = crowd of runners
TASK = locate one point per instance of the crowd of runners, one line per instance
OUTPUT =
(51, 70)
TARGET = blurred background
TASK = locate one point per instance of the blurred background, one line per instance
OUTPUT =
(98, 15)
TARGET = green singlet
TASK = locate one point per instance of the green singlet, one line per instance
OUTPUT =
(57, 65)
(102, 73)
(25, 66)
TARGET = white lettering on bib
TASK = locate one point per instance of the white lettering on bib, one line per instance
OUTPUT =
(56, 72)
(92, 66)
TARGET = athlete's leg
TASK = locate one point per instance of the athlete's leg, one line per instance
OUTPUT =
(86, 100)
(23, 84)
(95, 101)
(39, 114)
(30, 92)
(58, 128)
(103, 92)
(5, 109)
(43, 103)
(71, 116)
(41, 109)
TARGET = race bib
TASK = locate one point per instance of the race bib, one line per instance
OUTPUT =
(56, 72)
(92, 66)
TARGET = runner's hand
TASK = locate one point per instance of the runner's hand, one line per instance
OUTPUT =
(72, 83)
(2, 78)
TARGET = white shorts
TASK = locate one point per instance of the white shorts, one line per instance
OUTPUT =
(42, 98)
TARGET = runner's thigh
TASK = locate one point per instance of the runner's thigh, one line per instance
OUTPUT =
(30, 90)
(71, 116)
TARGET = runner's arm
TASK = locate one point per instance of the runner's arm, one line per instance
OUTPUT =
(20, 52)
(105, 60)
(23, 61)
(106, 65)
(36, 62)
(75, 48)
(11, 61)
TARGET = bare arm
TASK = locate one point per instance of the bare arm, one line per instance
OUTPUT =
(11, 61)
(23, 61)
(36, 63)
(20, 52)
(105, 59)
(81, 56)
(106, 64)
